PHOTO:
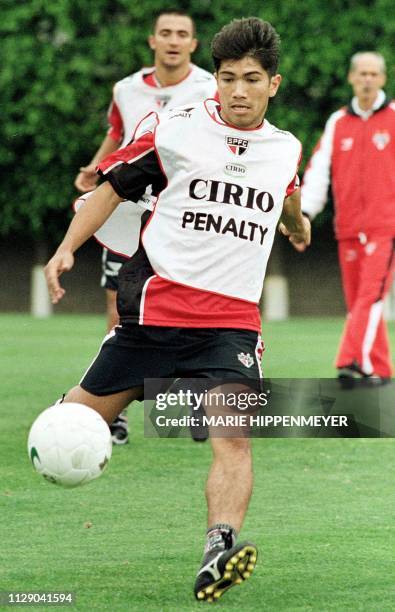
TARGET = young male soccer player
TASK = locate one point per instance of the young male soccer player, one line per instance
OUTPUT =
(224, 176)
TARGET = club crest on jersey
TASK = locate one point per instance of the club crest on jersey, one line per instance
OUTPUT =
(162, 100)
(246, 359)
(381, 139)
(236, 145)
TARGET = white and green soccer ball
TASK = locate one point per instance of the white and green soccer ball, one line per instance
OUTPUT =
(69, 444)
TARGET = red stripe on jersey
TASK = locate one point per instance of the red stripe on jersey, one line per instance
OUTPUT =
(169, 304)
(115, 130)
(295, 183)
(128, 154)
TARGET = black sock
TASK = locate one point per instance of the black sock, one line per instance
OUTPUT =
(220, 536)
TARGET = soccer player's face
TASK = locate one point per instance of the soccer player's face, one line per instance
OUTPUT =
(244, 89)
(367, 76)
(173, 41)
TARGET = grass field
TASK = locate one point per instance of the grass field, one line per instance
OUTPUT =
(321, 514)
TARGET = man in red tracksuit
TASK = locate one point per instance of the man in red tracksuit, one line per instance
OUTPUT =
(356, 153)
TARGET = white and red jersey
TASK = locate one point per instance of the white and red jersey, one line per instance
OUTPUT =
(356, 153)
(220, 195)
(128, 217)
(139, 94)
(134, 97)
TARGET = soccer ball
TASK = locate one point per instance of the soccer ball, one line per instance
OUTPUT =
(69, 444)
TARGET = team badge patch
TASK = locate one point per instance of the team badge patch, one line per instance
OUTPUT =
(236, 145)
(346, 144)
(246, 359)
(161, 101)
(381, 139)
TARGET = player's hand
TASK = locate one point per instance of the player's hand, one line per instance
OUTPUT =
(61, 262)
(300, 238)
(86, 179)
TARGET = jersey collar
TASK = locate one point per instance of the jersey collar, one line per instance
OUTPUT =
(379, 103)
(213, 109)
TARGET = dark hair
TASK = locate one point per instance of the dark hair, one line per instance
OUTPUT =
(250, 37)
(173, 11)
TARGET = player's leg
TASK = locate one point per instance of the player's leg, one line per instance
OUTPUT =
(220, 355)
(111, 264)
(229, 482)
(226, 562)
(108, 406)
(363, 324)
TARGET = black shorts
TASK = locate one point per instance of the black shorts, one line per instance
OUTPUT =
(111, 264)
(131, 353)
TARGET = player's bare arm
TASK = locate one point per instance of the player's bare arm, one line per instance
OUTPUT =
(87, 178)
(294, 224)
(86, 222)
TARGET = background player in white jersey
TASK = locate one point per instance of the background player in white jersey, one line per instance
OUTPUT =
(200, 319)
(172, 81)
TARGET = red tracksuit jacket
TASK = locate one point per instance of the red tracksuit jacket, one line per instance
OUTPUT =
(358, 156)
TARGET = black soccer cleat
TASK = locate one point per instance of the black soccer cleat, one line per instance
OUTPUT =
(222, 569)
(199, 430)
(352, 376)
(120, 430)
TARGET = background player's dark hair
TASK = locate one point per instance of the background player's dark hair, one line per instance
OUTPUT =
(173, 11)
(250, 37)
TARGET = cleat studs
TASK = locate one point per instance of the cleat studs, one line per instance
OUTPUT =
(240, 567)
(253, 559)
(229, 566)
(209, 599)
(234, 560)
(250, 567)
(217, 594)
(241, 554)
(227, 575)
(238, 580)
(200, 595)
(210, 590)
(246, 575)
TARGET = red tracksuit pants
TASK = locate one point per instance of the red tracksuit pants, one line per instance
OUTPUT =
(367, 271)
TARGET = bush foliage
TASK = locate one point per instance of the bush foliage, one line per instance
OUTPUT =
(60, 60)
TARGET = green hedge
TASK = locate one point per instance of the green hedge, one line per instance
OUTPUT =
(60, 59)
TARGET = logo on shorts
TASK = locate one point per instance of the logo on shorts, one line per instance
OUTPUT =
(246, 359)
(236, 145)
(381, 139)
